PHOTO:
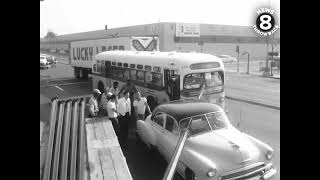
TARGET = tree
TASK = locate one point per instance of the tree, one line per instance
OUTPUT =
(50, 36)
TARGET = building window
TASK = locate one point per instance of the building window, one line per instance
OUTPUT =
(119, 64)
(121, 48)
(113, 63)
(125, 65)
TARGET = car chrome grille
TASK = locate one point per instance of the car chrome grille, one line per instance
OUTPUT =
(242, 175)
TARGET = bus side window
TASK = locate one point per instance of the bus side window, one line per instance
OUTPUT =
(133, 74)
(121, 48)
(140, 76)
(103, 48)
(119, 73)
(157, 79)
(109, 48)
(99, 67)
(95, 68)
(148, 78)
(103, 67)
(126, 74)
(115, 47)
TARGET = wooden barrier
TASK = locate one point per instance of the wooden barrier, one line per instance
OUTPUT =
(105, 157)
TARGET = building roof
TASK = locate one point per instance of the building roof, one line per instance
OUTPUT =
(181, 110)
(148, 30)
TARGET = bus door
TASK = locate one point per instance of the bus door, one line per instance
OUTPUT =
(172, 84)
(108, 72)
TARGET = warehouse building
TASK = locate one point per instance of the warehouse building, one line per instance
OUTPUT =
(210, 38)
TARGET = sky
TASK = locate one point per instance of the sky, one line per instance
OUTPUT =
(73, 16)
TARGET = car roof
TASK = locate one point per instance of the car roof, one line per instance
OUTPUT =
(181, 110)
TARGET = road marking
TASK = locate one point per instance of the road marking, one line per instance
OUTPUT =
(63, 84)
(59, 88)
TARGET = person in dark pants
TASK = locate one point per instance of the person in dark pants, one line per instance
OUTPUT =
(113, 114)
(131, 88)
(124, 109)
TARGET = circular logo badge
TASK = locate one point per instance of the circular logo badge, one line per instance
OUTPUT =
(265, 22)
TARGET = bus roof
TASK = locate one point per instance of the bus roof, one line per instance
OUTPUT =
(164, 59)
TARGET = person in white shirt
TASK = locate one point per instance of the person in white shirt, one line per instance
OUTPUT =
(103, 103)
(114, 90)
(93, 103)
(113, 114)
(140, 105)
(124, 109)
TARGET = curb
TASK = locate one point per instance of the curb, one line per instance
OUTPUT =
(252, 74)
(255, 103)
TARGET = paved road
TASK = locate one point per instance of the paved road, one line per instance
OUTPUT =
(261, 122)
(253, 88)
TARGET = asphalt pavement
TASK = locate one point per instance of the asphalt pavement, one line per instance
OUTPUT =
(260, 121)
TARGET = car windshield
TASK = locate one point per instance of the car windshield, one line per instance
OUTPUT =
(205, 123)
(209, 79)
(217, 120)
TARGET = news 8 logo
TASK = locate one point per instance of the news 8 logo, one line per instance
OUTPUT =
(265, 22)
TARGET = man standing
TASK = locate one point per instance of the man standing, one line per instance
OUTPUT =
(104, 102)
(93, 104)
(124, 109)
(140, 105)
(112, 114)
(114, 90)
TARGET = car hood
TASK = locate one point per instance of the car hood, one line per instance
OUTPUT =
(227, 148)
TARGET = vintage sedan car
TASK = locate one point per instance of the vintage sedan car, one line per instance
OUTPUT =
(44, 62)
(214, 149)
(227, 58)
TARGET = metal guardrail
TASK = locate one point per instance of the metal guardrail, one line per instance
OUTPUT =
(66, 143)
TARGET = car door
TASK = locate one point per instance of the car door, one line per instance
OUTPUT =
(170, 137)
(157, 126)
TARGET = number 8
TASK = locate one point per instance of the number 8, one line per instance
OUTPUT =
(263, 22)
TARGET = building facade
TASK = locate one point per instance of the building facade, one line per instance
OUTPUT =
(214, 39)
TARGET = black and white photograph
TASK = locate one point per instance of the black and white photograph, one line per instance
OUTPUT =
(159, 90)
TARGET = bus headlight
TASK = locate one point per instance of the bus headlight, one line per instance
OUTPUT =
(269, 155)
(221, 99)
(211, 172)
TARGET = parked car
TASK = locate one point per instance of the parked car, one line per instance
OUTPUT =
(51, 59)
(44, 62)
(214, 149)
(227, 58)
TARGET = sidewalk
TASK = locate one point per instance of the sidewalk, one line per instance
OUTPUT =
(260, 74)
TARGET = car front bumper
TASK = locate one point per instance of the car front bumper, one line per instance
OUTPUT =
(261, 172)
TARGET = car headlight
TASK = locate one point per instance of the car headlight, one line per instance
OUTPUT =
(269, 155)
(211, 172)
(221, 99)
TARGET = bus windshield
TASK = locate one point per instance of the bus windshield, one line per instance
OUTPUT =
(209, 79)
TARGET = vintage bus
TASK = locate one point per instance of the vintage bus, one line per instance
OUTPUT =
(163, 76)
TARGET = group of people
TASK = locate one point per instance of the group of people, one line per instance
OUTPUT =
(118, 109)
